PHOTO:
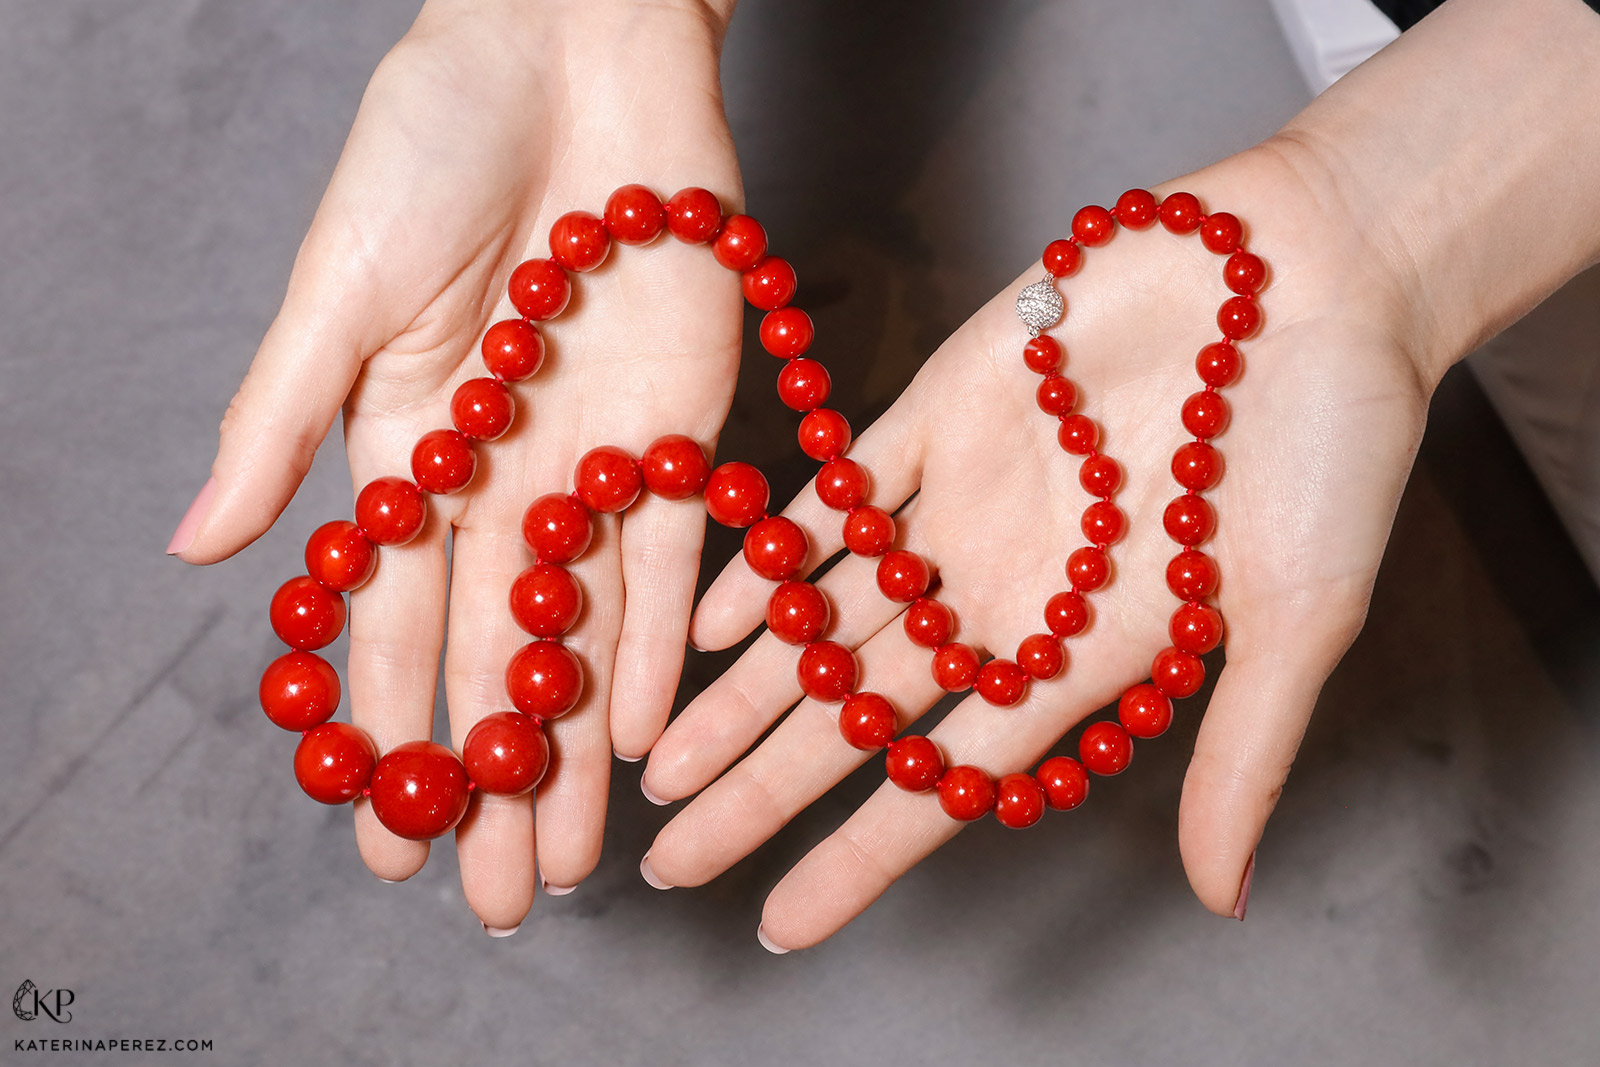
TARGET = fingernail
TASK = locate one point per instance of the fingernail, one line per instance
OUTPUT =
(189, 525)
(1244, 888)
(650, 875)
(694, 646)
(767, 943)
(651, 797)
(387, 881)
(495, 931)
(627, 759)
(557, 890)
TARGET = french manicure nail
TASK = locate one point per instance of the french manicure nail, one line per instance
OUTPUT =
(386, 881)
(558, 890)
(627, 759)
(767, 942)
(651, 797)
(189, 525)
(1244, 888)
(649, 874)
(495, 931)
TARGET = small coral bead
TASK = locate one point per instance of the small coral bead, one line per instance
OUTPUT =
(299, 690)
(1105, 748)
(1103, 523)
(546, 600)
(1064, 781)
(1218, 364)
(1135, 209)
(557, 527)
(674, 467)
(804, 384)
(824, 434)
(1144, 711)
(966, 793)
(955, 667)
(914, 763)
(513, 350)
(339, 556)
(608, 480)
(1099, 475)
(305, 615)
(1088, 569)
(1001, 682)
(539, 289)
(868, 531)
(694, 216)
(1018, 802)
(775, 548)
(506, 753)
(928, 623)
(1042, 656)
(1189, 519)
(797, 613)
(443, 462)
(482, 408)
(419, 790)
(1093, 225)
(1056, 395)
(1221, 233)
(1078, 434)
(1177, 673)
(827, 671)
(903, 576)
(1192, 575)
(787, 332)
(867, 721)
(1066, 614)
(334, 762)
(1196, 627)
(770, 284)
(842, 484)
(1180, 213)
(1196, 466)
(1238, 317)
(635, 215)
(390, 511)
(740, 244)
(1042, 354)
(737, 495)
(1061, 258)
(1244, 273)
(579, 241)
(544, 679)
(1205, 414)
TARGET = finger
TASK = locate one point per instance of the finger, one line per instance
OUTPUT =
(495, 842)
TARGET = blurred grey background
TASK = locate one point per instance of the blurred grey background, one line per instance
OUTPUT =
(1427, 893)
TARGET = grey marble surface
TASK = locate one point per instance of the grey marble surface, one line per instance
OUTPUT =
(1425, 895)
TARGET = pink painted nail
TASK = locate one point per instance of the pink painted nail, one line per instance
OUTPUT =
(1244, 888)
(183, 536)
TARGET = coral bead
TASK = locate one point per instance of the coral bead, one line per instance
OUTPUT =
(776, 548)
(928, 623)
(1221, 233)
(1192, 575)
(955, 667)
(1105, 748)
(544, 679)
(390, 511)
(513, 350)
(1144, 711)
(1189, 519)
(419, 790)
(804, 384)
(694, 216)
(305, 615)
(1099, 475)
(903, 576)
(1066, 614)
(608, 480)
(339, 556)
(1042, 354)
(579, 241)
(675, 467)
(558, 528)
(966, 793)
(1177, 673)
(334, 762)
(1196, 466)
(443, 462)
(299, 690)
(1136, 208)
(1205, 414)
(797, 613)
(1064, 781)
(1061, 258)
(740, 244)
(1103, 523)
(787, 332)
(737, 495)
(1078, 434)
(868, 531)
(824, 434)
(842, 484)
(914, 763)
(1238, 317)
(1088, 569)
(482, 409)
(635, 215)
(1244, 273)
(1217, 364)
(867, 721)
(1180, 213)
(1042, 656)
(1001, 682)
(506, 753)
(1093, 225)
(1195, 627)
(1056, 395)
(1018, 801)
(546, 600)
(539, 289)
(827, 671)
(770, 284)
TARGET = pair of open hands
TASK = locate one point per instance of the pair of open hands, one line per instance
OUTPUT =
(474, 135)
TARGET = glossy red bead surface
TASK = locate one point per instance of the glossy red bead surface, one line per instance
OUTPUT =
(770, 284)
(1189, 519)
(1221, 233)
(1064, 781)
(775, 548)
(513, 349)
(824, 434)
(305, 615)
(867, 721)
(1078, 434)
(787, 332)
(539, 289)
(928, 623)
(737, 495)
(608, 480)
(955, 667)
(443, 462)
(1061, 258)
(966, 793)
(1144, 711)
(1218, 364)
(557, 527)
(842, 484)
(334, 762)
(1018, 801)
(299, 690)
(1192, 575)
(1205, 414)
(1088, 569)
(1244, 273)
(1105, 748)
(1093, 225)
(1056, 395)
(1195, 627)
(1196, 466)
(1238, 317)
(635, 215)
(1177, 673)
(1001, 682)
(827, 671)
(506, 753)
(1066, 614)
(740, 244)
(1180, 213)
(797, 613)
(339, 556)
(544, 679)
(914, 763)
(419, 790)
(1136, 208)
(675, 467)
(482, 408)
(804, 384)
(903, 576)
(390, 511)
(1042, 656)
(868, 531)
(1042, 354)
(1103, 523)
(546, 600)
(1100, 475)
(693, 215)
(579, 241)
